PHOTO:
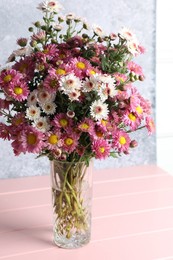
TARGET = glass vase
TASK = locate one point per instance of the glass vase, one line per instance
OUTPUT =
(72, 199)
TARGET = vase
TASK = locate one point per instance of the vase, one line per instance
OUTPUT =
(72, 200)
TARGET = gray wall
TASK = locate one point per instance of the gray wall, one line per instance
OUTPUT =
(16, 16)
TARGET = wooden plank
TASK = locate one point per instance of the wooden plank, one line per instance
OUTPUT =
(41, 182)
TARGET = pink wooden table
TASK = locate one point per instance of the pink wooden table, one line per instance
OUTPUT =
(132, 217)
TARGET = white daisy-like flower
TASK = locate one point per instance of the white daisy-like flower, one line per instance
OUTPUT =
(50, 6)
(44, 96)
(41, 124)
(74, 95)
(127, 34)
(70, 83)
(32, 98)
(132, 47)
(98, 31)
(49, 108)
(99, 110)
(33, 112)
(89, 84)
(106, 90)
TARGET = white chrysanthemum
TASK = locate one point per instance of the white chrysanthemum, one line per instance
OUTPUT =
(106, 90)
(74, 95)
(69, 83)
(89, 84)
(49, 108)
(44, 96)
(41, 124)
(50, 6)
(132, 47)
(32, 98)
(33, 112)
(127, 34)
(99, 110)
(98, 31)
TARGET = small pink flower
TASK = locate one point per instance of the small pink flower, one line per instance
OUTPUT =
(8, 76)
(150, 125)
(87, 125)
(101, 148)
(62, 121)
(51, 84)
(131, 119)
(79, 66)
(121, 141)
(18, 90)
(5, 132)
(120, 78)
(31, 140)
(70, 141)
(53, 140)
(25, 66)
(133, 67)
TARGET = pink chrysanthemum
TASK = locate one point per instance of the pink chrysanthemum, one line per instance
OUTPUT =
(133, 67)
(87, 125)
(8, 76)
(101, 148)
(53, 140)
(5, 132)
(120, 78)
(131, 119)
(51, 83)
(18, 120)
(18, 90)
(31, 140)
(121, 141)
(79, 66)
(25, 66)
(150, 125)
(70, 141)
(50, 51)
(62, 121)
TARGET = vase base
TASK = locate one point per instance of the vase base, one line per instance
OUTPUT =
(76, 241)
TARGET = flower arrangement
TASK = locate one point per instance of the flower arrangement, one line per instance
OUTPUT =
(68, 91)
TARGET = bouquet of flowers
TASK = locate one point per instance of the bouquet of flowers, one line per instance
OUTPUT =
(69, 91)
(68, 94)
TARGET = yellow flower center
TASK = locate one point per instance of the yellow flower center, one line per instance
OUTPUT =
(31, 139)
(18, 121)
(132, 117)
(122, 140)
(139, 110)
(53, 139)
(99, 134)
(60, 72)
(102, 149)
(7, 78)
(104, 122)
(80, 65)
(53, 83)
(63, 122)
(46, 51)
(85, 126)
(23, 68)
(18, 90)
(69, 141)
(92, 72)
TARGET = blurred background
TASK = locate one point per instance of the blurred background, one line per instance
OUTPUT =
(139, 16)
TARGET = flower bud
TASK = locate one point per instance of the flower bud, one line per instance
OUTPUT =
(133, 144)
(37, 24)
(141, 77)
(30, 29)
